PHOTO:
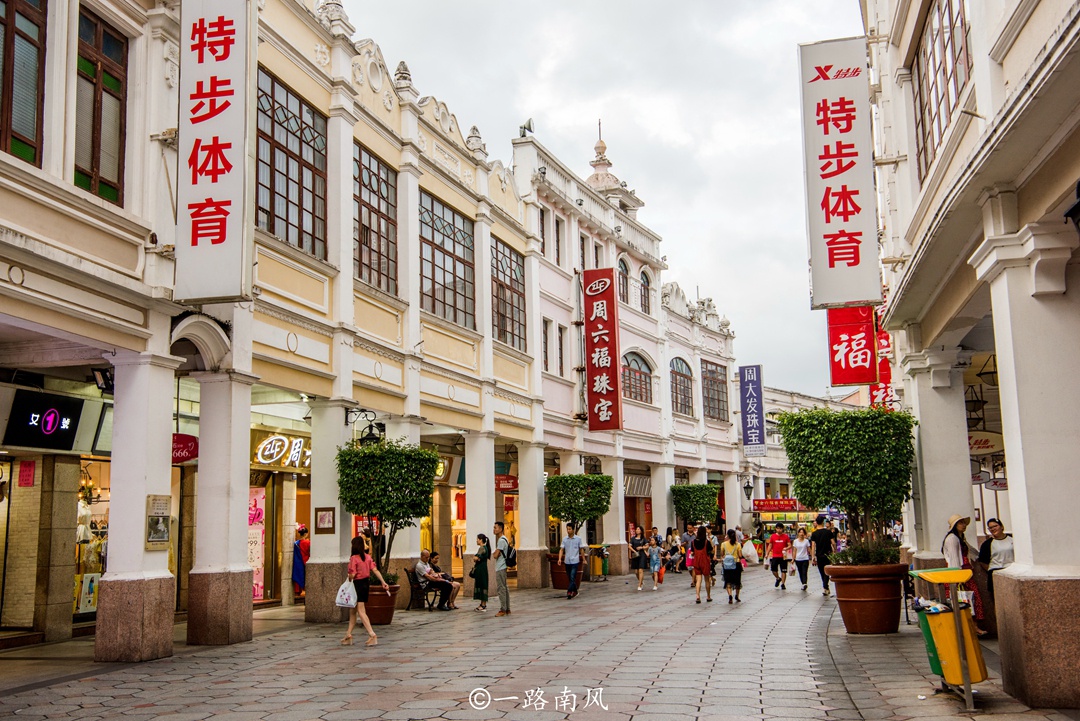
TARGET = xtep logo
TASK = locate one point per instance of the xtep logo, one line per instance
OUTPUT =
(824, 70)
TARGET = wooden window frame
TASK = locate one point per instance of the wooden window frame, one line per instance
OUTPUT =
(273, 137)
(543, 232)
(376, 201)
(682, 387)
(558, 241)
(94, 54)
(637, 378)
(508, 312)
(646, 298)
(562, 351)
(941, 70)
(7, 77)
(436, 260)
(714, 391)
(624, 280)
(544, 355)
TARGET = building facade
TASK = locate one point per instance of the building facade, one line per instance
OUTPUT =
(976, 135)
(159, 457)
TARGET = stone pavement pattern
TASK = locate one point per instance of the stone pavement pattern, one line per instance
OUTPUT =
(656, 657)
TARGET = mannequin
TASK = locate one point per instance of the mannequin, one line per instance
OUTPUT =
(83, 535)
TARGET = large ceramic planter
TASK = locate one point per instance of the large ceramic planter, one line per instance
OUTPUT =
(380, 607)
(559, 579)
(869, 596)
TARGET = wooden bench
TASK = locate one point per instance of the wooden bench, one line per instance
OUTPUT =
(419, 596)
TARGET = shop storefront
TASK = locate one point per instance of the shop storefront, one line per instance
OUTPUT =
(788, 511)
(279, 499)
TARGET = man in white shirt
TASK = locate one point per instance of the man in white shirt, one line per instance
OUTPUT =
(739, 535)
(427, 577)
(572, 551)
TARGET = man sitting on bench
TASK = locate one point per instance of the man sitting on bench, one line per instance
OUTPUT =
(427, 577)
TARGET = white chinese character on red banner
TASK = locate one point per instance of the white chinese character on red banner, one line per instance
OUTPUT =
(211, 103)
(603, 411)
(600, 358)
(853, 354)
(600, 334)
(216, 37)
(208, 220)
(599, 310)
(602, 384)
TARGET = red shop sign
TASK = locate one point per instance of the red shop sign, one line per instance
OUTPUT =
(776, 504)
(504, 483)
(852, 346)
(603, 377)
(184, 448)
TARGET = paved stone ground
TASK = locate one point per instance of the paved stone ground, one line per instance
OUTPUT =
(656, 657)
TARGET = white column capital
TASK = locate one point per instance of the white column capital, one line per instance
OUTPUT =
(128, 358)
(241, 377)
(938, 363)
(1045, 249)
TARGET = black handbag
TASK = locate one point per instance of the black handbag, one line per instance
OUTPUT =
(472, 572)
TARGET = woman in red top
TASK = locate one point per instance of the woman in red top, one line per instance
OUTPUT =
(361, 566)
(703, 556)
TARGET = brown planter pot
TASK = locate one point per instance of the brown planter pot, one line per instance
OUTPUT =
(869, 596)
(559, 579)
(380, 607)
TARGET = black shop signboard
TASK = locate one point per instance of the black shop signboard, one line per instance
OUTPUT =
(43, 420)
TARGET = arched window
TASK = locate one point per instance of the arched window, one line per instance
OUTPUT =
(682, 387)
(646, 305)
(624, 281)
(637, 378)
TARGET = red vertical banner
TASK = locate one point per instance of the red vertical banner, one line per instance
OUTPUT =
(603, 361)
(883, 393)
(852, 346)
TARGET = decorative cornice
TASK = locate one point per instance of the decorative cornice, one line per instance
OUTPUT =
(1045, 249)
(379, 350)
(299, 321)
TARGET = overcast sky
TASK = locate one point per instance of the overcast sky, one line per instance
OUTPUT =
(700, 108)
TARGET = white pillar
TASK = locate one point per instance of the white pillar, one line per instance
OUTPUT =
(138, 593)
(480, 511)
(1036, 305)
(615, 519)
(699, 476)
(532, 515)
(735, 502)
(219, 595)
(663, 478)
(329, 551)
(570, 463)
(942, 482)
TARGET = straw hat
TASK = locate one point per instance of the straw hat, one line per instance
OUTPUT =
(956, 518)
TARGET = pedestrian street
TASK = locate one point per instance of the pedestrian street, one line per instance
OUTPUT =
(612, 653)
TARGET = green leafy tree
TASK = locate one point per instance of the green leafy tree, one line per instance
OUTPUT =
(579, 498)
(856, 460)
(392, 480)
(695, 503)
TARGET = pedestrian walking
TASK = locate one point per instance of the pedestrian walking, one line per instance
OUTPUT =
(731, 565)
(801, 544)
(656, 561)
(638, 558)
(776, 551)
(821, 547)
(996, 552)
(480, 571)
(361, 566)
(703, 557)
(502, 548)
(955, 548)
(570, 557)
(685, 540)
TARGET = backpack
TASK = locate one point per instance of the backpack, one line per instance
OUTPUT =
(729, 562)
(511, 554)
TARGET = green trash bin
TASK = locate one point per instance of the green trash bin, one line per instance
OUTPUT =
(605, 561)
(931, 647)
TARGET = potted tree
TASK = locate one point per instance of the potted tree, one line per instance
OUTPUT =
(695, 503)
(393, 481)
(576, 499)
(860, 462)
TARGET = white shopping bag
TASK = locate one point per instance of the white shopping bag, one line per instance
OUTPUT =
(346, 595)
(749, 552)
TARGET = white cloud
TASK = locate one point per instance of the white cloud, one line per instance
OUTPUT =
(699, 102)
